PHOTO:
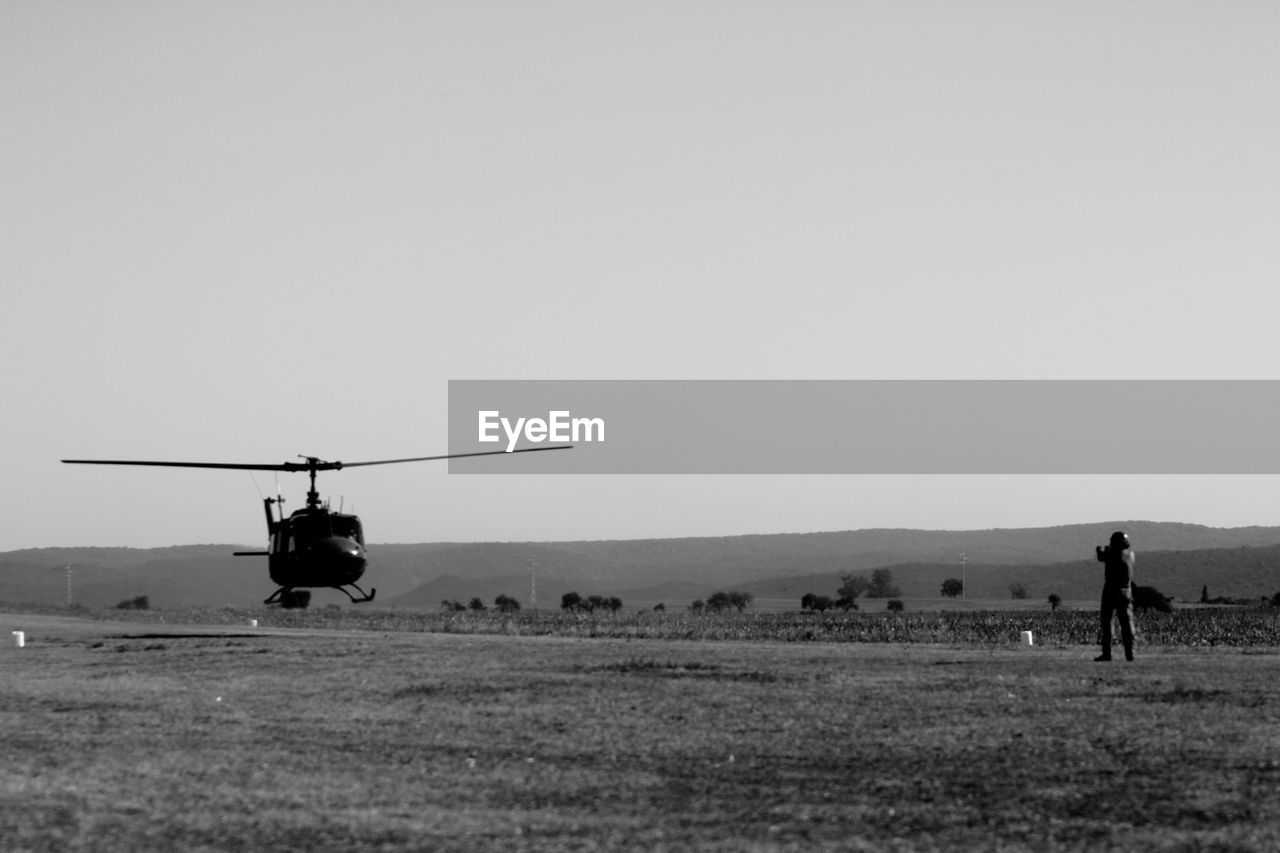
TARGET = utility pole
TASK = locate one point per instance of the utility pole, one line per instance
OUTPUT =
(533, 585)
(68, 586)
(964, 590)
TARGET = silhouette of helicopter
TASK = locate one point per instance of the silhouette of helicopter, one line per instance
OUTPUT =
(314, 546)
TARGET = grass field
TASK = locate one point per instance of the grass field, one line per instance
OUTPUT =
(118, 736)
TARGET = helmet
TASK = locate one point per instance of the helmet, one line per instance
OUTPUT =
(1119, 539)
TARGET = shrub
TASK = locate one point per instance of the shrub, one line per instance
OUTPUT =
(718, 601)
(852, 586)
(882, 585)
(816, 603)
(1149, 598)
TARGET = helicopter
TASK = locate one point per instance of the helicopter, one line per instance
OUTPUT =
(314, 547)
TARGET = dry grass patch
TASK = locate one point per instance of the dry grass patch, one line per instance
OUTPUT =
(405, 741)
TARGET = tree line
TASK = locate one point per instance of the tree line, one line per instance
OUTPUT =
(503, 604)
(722, 601)
(575, 603)
(881, 585)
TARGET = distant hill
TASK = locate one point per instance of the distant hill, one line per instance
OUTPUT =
(1177, 558)
(779, 565)
(1241, 572)
(187, 575)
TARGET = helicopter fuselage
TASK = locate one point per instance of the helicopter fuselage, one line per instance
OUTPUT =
(301, 556)
(314, 547)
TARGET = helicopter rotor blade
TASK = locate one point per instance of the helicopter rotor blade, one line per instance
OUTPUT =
(454, 456)
(311, 464)
(285, 466)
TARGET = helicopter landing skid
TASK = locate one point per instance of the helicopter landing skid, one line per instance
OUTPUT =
(288, 597)
(365, 596)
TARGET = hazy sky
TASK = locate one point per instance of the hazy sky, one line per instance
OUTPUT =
(246, 231)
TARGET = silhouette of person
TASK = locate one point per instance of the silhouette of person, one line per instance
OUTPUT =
(1117, 592)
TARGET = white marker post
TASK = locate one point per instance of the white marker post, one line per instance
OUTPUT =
(1028, 639)
(19, 639)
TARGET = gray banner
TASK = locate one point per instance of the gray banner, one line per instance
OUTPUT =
(867, 426)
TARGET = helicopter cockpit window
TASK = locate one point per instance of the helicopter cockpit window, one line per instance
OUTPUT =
(310, 529)
(348, 528)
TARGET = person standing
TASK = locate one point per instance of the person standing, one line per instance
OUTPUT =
(1117, 592)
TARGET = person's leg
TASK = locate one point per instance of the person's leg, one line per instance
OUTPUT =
(1107, 612)
(1124, 610)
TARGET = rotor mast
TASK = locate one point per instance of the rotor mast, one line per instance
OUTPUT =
(313, 465)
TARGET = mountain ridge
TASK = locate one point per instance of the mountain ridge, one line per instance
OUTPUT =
(421, 574)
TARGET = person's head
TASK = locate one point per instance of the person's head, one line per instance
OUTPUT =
(1119, 540)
